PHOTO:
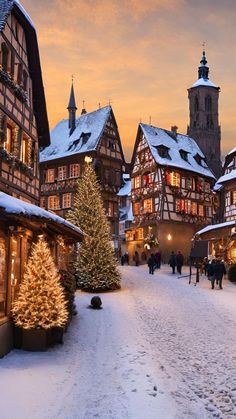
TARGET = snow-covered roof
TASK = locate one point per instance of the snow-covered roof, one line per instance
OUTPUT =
(229, 176)
(88, 130)
(204, 82)
(215, 226)
(5, 9)
(125, 190)
(15, 206)
(160, 137)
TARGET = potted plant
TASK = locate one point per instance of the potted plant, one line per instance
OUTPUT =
(40, 310)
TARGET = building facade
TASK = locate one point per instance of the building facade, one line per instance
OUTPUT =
(94, 134)
(222, 236)
(23, 129)
(204, 117)
(125, 211)
(171, 192)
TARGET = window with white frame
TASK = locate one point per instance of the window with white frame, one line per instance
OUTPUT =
(53, 202)
(61, 172)
(74, 170)
(66, 200)
(50, 175)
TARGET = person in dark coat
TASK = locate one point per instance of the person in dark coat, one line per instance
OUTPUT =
(151, 263)
(220, 271)
(158, 259)
(172, 261)
(211, 273)
(179, 262)
(136, 258)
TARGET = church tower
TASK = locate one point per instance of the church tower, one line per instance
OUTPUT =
(204, 120)
(72, 110)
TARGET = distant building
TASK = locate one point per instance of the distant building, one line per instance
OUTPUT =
(125, 211)
(222, 236)
(93, 134)
(23, 129)
(204, 117)
(171, 192)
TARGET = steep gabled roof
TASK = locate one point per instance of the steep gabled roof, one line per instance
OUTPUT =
(175, 143)
(13, 6)
(85, 138)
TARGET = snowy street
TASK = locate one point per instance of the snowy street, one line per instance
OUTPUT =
(159, 349)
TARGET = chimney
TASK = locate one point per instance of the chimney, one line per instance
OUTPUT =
(174, 129)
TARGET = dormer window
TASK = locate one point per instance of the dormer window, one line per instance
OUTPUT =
(163, 151)
(183, 154)
(84, 137)
(199, 159)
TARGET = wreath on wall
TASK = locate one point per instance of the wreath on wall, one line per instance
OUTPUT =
(151, 240)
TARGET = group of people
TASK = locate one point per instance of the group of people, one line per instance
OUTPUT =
(154, 262)
(215, 270)
(176, 261)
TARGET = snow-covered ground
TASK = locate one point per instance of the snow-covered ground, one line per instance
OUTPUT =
(159, 349)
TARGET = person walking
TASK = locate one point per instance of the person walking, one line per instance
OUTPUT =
(179, 261)
(220, 271)
(151, 264)
(211, 273)
(158, 259)
(136, 258)
(172, 261)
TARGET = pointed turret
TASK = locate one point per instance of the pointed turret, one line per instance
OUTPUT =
(72, 110)
(203, 69)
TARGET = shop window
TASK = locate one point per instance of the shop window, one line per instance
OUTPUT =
(61, 172)
(15, 266)
(9, 139)
(147, 205)
(139, 234)
(53, 202)
(50, 175)
(136, 208)
(3, 270)
(66, 200)
(74, 170)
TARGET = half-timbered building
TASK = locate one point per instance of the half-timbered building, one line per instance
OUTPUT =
(125, 211)
(23, 129)
(222, 236)
(171, 192)
(94, 134)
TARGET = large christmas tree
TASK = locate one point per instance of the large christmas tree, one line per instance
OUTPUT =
(41, 301)
(96, 264)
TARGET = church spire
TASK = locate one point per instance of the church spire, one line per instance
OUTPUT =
(203, 69)
(72, 109)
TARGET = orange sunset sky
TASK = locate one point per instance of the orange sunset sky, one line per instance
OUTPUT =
(142, 55)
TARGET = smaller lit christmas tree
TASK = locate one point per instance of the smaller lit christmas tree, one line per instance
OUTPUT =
(41, 302)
